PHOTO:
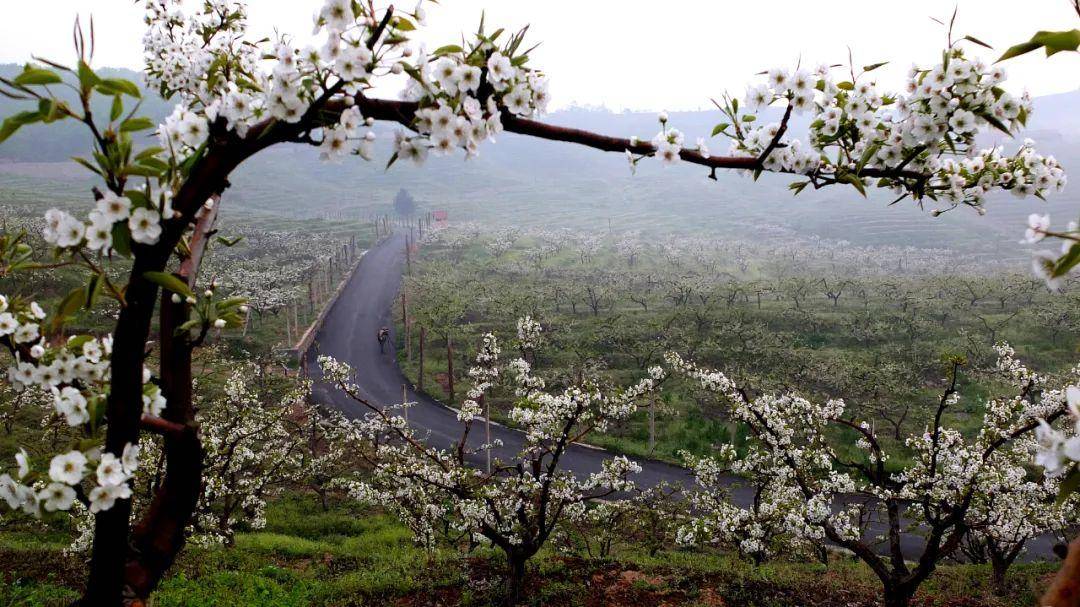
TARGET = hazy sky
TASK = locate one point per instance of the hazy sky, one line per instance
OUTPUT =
(634, 54)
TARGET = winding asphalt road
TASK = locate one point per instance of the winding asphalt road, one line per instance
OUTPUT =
(349, 333)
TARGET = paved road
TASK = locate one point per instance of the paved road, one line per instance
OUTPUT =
(349, 334)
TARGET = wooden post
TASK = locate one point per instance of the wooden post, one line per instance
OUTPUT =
(404, 401)
(450, 367)
(420, 374)
(405, 322)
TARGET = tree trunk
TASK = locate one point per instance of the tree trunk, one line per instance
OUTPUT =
(898, 595)
(515, 583)
(105, 583)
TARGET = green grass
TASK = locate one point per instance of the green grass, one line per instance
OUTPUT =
(349, 556)
(880, 354)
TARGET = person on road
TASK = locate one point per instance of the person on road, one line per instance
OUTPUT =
(384, 336)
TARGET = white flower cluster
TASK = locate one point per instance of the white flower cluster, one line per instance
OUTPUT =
(530, 334)
(924, 135)
(203, 57)
(109, 475)
(484, 373)
(431, 489)
(461, 103)
(75, 372)
(1045, 264)
(111, 213)
(1058, 449)
(800, 481)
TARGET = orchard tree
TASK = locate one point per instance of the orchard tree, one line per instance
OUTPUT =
(804, 485)
(404, 203)
(236, 95)
(521, 501)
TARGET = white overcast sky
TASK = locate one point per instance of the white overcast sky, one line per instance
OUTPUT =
(632, 54)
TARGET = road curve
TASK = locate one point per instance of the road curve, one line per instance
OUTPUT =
(349, 333)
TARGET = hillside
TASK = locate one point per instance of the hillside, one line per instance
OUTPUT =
(530, 182)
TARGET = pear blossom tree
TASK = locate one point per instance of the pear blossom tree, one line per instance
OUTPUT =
(522, 499)
(261, 433)
(1020, 510)
(807, 493)
(155, 206)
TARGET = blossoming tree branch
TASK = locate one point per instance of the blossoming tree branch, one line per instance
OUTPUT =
(155, 207)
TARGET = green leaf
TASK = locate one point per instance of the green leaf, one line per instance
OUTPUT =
(13, 123)
(997, 124)
(1019, 49)
(874, 66)
(867, 155)
(117, 109)
(141, 170)
(139, 199)
(87, 78)
(139, 123)
(92, 290)
(1056, 42)
(49, 110)
(148, 153)
(121, 239)
(720, 128)
(1067, 261)
(977, 41)
(117, 86)
(855, 181)
(36, 77)
(448, 49)
(403, 24)
(845, 86)
(229, 243)
(169, 282)
(72, 303)
(86, 163)
(77, 342)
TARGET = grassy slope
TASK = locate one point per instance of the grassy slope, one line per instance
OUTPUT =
(349, 556)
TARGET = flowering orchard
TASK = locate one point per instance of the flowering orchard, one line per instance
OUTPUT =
(236, 96)
(521, 500)
(954, 485)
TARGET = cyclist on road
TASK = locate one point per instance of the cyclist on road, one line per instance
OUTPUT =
(384, 336)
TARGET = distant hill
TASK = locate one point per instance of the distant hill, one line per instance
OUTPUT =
(527, 181)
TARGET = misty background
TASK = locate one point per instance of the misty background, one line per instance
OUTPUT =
(528, 182)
